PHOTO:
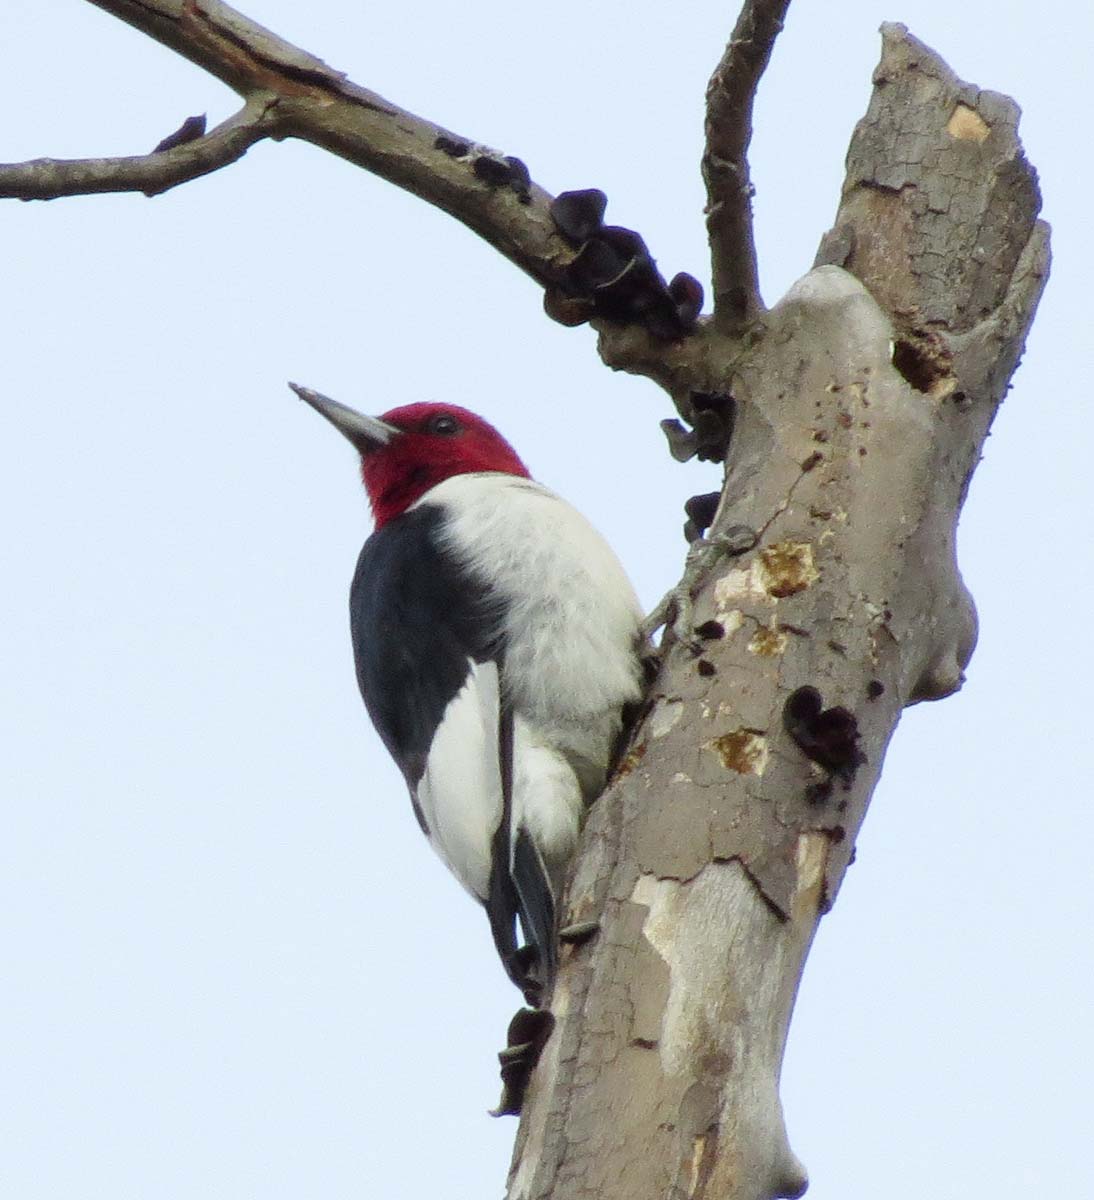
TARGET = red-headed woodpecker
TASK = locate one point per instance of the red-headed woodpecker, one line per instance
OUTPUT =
(496, 640)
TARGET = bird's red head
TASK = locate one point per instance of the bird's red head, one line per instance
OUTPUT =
(433, 442)
(411, 449)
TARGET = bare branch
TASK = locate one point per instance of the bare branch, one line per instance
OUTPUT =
(50, 178)
(318, 104)
(295, 94)
(979, 217)
(730, 96)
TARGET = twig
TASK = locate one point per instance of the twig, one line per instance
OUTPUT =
(301, 96)
(50, 178)
(730, 95)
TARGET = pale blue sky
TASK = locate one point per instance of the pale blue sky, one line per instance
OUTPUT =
(233, 968)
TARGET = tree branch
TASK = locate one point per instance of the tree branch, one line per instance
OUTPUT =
(730, 96)
(963, 184)
(315, 103)
(50, 178)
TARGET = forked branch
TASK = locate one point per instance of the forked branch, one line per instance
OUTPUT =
(290, 93)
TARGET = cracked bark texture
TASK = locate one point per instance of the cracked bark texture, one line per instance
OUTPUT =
(863, 401)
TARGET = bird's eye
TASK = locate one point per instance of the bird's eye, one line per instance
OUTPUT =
(443, 423)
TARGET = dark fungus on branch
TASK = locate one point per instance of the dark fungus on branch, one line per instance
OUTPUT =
(489, 167)
(715, 417)
(528, 1034)
(700, 511)
(453, 147)
(189, 131)
(712, 419)
(613, 275)
(818, 793)
(828, 736)
(578, 215)
(504, 172)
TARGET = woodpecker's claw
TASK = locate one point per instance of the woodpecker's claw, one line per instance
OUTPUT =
(676, 612)
(660, 616)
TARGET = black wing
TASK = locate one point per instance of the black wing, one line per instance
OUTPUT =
(418, 620)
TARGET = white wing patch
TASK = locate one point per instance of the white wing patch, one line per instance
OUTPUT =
(459, 792)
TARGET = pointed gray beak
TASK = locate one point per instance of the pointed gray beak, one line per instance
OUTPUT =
(366, 433)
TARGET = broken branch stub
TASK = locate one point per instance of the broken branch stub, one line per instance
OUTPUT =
(939, 219)
(939, 202)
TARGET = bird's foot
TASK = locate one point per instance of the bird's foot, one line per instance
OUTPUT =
(676, 612)
(528, 1033)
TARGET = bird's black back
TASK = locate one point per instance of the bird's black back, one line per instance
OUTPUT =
(416, 619)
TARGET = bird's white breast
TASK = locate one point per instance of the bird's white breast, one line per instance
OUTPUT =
(571, 616)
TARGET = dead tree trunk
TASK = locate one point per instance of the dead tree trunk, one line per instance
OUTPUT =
(863, 399)
(824, 598)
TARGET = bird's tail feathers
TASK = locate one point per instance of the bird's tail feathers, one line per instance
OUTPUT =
(536, 909)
